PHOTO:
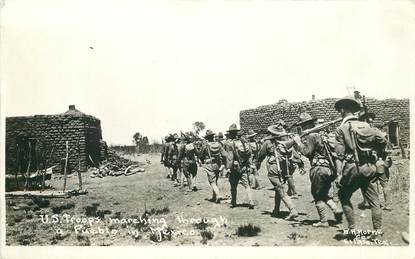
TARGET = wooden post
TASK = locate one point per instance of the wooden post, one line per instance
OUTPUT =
(46, 167)
(403, 151)
(79, 167)
(66, 165)
(28, 167)
(19, 166)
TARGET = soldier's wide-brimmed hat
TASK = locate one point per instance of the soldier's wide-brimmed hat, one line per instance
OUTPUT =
(220, 135)
(233, 128)
(251, 133)
(349, 103)
(369, 115)
(277, 130)
(183, 136)
(304, 118)
(209, 133)
(187, 137)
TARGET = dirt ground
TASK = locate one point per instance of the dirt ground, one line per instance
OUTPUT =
(100, 218)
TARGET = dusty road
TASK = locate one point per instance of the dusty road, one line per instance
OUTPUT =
(112, 201)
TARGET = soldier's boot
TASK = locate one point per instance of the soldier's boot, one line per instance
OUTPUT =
(322, 212)
(363, 204)
(189, 183)
(349, 214)
(251, 180)
(291, 188)
(257, 184)
(180, 178)
(386, 195)
(288, 203)
(377, 218)
(338, 213)
(216, 194)
(194, 188)
(251, 200)
(174, 175)
(233, 196)
(277, 204)
(293, 214)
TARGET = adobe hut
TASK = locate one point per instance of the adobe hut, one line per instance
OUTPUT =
(32, 138)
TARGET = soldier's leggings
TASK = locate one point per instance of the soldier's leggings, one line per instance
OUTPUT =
(280, 195)
(190, 171)
(212, 172)
(351, 181)
(320, 178)
(240, 175)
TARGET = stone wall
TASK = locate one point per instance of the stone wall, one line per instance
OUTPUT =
(260, 118)
(83, 134)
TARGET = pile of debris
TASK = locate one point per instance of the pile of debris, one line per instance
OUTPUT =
(116, 166)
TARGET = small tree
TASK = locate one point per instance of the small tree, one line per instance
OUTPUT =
(137, 138)
(198, 126)
(141, 142)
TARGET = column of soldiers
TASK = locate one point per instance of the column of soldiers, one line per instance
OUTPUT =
(350, 158)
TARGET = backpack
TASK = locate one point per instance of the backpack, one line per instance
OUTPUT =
(174, 151)
(367, 138)
(213, 149)
(241, 150)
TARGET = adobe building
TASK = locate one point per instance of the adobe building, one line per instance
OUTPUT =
(32, 138)
(392, 115)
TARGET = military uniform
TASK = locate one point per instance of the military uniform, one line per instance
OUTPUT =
(382, 168)
(173, 157)
(221, 140)
(352, 176)
(255, 166)
(239, 165)
(166, 156)
(270, 152)
(290, 159)
(214, 158)
(321, 176)
(188, 156)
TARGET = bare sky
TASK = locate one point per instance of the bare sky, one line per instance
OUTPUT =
(158, 66)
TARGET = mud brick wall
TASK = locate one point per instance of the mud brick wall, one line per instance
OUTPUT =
(83, 134)
(260, 118)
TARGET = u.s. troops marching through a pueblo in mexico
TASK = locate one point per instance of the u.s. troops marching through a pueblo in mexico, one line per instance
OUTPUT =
(323, 172)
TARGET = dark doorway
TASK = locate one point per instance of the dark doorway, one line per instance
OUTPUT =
(393, 133)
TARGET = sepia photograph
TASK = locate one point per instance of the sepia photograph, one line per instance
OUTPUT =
(209, 125)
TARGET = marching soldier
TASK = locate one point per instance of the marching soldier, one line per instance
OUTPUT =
(188, 156)
(318, 150)
(174, 161)
(163, 157)
(291, 160)
(270, 150)
(166, 155)
(254, 146)
(239, 164)
(382, 169)
(181, 142)
(355, 161)
(214, 158)
(220, 138)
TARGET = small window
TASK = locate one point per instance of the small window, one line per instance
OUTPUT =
(393, 133)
